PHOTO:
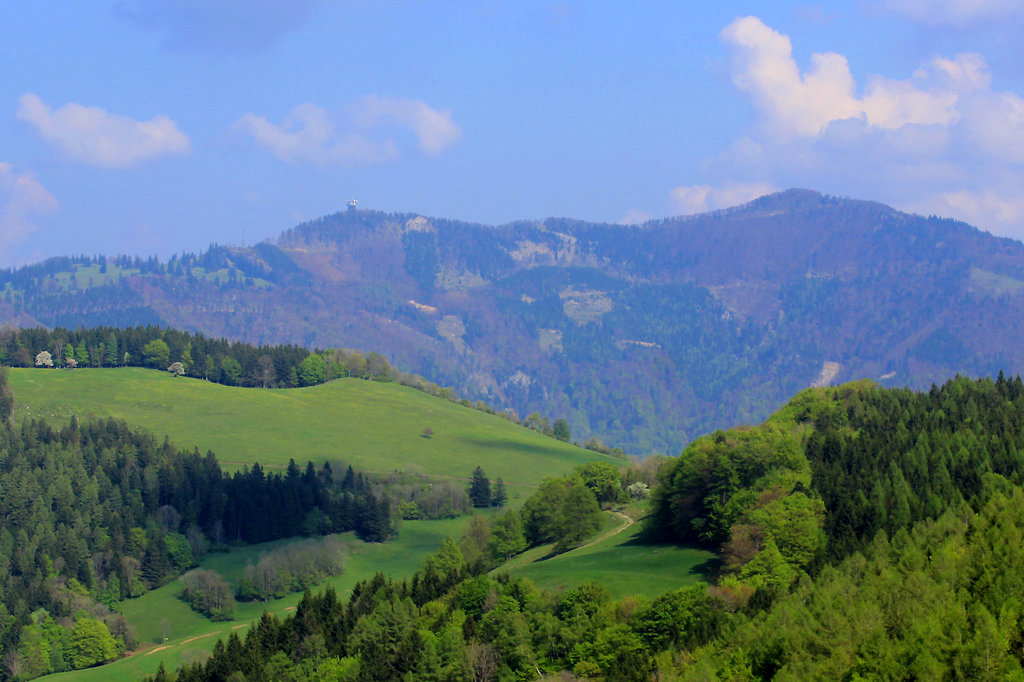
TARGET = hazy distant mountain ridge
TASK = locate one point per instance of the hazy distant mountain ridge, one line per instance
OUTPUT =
(643, 335)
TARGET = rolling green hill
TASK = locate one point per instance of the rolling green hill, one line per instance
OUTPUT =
(375, 427)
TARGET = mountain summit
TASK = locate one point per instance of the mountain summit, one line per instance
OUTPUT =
(644, 336)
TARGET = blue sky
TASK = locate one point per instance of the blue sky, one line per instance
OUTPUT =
(157, 126)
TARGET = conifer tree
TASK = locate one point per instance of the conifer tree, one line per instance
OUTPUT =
(480, 489)
(499, 496)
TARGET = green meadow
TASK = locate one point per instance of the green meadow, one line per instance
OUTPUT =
(189, 636)
(375, 427)
(619, 559)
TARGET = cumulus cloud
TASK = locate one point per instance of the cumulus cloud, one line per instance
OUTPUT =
(797, 104)
(794, 103)
(689, 199)
(98, 138)
(22, 199)
(955, 12)
(435, 131)
(984, 207)
(363, 132)
(939, 141)
(995, 121)
(217, 25)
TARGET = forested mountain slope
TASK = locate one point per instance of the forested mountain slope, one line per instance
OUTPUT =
(644, 335)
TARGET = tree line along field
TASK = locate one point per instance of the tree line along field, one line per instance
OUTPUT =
(191, 637)
(375, 427)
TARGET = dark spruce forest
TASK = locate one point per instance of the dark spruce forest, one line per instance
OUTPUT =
(643, 336)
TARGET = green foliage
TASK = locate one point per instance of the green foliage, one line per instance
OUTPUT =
(721, 477)
(578, 518)
(686, 618)
(312, 371)
(479, 489)
(6, 397)
(540, 512)
(604, 480)
(561, 430)
(563, 511)
(180, 551)
(91, 644)
(230, 371)
(507, 536)
(157, 353)
(498, 494)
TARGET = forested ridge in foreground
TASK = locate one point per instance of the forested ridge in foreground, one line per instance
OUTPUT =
(864, 533)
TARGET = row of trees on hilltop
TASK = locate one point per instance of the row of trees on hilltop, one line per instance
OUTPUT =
(228, 362)
(218, 360)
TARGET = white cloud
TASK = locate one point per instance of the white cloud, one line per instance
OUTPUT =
(996, 122)
(955, 12)
(308, 134)
(689, 199)
(892, 104)
(98, 138)
(361, 133)
(435, 131)
(939, 141)
(804, 105)
(794, 104)
(22, 199)
(988, 208)
(966, 72)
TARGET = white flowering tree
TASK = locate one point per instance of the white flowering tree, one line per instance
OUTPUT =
(176, 368)
(44, 359)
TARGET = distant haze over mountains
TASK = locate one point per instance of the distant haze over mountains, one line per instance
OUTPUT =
(644, 336)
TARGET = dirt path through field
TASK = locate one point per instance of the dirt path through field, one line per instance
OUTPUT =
(629, 522)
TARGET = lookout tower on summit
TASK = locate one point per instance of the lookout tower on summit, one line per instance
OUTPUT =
(352, 204)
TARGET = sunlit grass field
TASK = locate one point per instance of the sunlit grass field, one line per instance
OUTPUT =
(191, 637)
(619, 559)
(375, 427)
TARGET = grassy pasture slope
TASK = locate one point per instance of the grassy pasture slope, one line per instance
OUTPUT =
(187, 631)
(618, 559)
(375, 427)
